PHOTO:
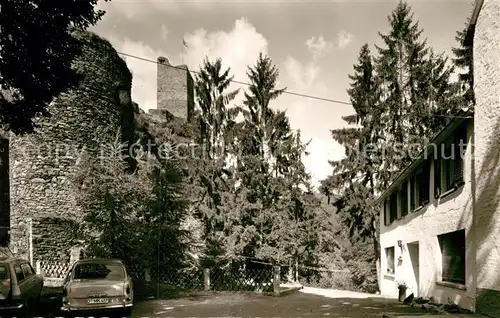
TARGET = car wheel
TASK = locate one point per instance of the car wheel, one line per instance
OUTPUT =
(127, 312)
(26, 311)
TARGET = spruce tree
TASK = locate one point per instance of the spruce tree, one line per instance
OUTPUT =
(211, 84)
(464, 60)
(416, 90)
(354, 177)
(212, 178)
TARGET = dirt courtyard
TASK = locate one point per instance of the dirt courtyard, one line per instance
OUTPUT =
(308, 302)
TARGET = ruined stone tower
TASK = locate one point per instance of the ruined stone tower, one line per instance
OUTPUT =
(42, 165)
(175, 91)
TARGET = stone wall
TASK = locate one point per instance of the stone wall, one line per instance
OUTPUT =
(47, 242)
(175, 89)
(4, 192)
(42, 164)
(487, 156)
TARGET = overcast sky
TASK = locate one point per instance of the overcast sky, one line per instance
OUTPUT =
(313, 43)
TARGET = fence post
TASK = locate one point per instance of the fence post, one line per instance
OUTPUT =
(206, 278)
(38, 268)
(276, 280)
(147, 274)
(30, 240)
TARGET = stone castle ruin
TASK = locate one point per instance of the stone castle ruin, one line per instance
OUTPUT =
(38, 211)
(39, 215)
(175, 91)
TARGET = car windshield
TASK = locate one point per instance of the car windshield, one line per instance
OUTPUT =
(99, 271)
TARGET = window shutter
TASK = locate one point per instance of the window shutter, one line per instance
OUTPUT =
(394, 206)
(412, 193)
(437, 178)
(386, 214)
(425, 184)
(461, 136)
(404, 199)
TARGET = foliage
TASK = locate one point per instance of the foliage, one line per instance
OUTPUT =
(111, 198)
(35, 67)
(141, 211)
(360, 258)
(215, 118)
(164, 241)
(464, 60)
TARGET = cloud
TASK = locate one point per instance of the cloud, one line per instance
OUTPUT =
(320, 151)
(138, 9)
(143, 72)
(318, 46)
(163, 32)
(344, 38)
(238, 48)
(312, 116)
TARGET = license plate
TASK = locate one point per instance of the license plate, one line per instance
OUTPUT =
(97, 301)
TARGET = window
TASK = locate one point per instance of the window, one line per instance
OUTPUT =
(27, 270)
(453, 256)
(387, 216)
(99, 271)
(448, 171)
(420, 186)
(422, 180)
(404, 199)
(19, 273)
(412, 193)
(393, 206)
(389, 254)
(4, 273)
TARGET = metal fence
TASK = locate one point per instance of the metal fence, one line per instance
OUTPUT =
(191, 279)
(325, 278)
(230, 277)
(242, 279)
(54, 269)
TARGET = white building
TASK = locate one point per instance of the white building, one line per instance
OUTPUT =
(440, 219)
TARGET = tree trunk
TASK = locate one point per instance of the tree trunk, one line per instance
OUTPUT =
(296, 267)
(377, 262)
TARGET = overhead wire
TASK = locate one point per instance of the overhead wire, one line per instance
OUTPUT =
(285, 92)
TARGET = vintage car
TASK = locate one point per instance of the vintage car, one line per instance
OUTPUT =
(20, 286)
(98, 285)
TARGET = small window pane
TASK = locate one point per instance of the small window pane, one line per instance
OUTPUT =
(19, 273)
(389, 252)
(99, 271)
(453, 256)
(4, 273)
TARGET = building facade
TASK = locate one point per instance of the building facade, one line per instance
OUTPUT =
(484, 34)
(426, 232)
(440, 219)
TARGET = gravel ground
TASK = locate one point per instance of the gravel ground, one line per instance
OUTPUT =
(309, 302)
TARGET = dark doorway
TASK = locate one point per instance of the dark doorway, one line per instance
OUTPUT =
(414, 251)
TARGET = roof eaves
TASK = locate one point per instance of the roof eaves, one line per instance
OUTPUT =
(469, 37)
(437, 139)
